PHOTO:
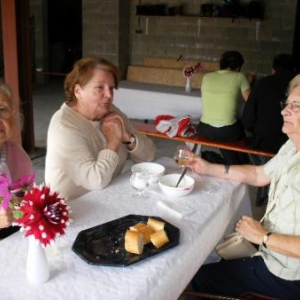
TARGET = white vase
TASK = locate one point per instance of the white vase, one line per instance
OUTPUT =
(37, 269)
(188, 85)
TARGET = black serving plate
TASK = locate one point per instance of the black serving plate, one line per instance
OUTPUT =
(104, 244)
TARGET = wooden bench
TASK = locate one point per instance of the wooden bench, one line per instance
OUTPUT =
(168, 71)
(165, 76)
(180, 64)
(240, 146)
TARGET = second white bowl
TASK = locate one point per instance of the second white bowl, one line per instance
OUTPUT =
(155, 170)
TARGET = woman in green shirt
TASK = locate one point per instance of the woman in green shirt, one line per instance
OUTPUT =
(220, 92)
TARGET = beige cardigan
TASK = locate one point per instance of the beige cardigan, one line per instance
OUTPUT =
(77, 160)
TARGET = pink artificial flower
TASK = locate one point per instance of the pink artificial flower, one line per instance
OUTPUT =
(4, 190)
(23, 184)
(198, 67)
(9, 189)
(4, 179)
(43, 215)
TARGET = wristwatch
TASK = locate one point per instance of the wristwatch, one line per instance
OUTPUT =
(131, 140)
(265, 239)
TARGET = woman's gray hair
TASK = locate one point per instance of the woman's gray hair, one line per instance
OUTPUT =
(294, 83)
(6, 90)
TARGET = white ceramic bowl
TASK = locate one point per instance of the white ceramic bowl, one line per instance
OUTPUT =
(155, 170)
(168, 182)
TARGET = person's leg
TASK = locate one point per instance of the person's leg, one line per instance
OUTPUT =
(235, 157)
(233, 132)
(236, 277)
(206, 130)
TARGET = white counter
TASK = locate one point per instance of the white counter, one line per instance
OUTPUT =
(146, 101)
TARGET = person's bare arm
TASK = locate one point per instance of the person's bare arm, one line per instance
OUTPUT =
(246, 94)
(250, 174)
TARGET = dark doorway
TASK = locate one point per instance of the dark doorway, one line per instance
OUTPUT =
(64, 34)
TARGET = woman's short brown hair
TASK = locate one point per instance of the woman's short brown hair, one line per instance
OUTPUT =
(82, 72)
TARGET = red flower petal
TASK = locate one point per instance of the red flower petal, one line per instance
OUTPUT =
(44, 215)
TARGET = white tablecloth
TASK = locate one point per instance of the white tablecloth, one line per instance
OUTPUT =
(204, 216)
(146, 101)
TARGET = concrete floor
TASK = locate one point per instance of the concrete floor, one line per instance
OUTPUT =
(48, 98)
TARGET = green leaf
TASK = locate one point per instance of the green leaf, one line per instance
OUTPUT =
(17, 214)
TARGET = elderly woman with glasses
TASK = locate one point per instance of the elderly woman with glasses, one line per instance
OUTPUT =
(13, 159)
(275, 269)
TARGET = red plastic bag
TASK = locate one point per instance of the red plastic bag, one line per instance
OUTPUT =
(175, 126)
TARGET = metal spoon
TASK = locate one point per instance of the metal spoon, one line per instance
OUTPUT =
(181, 176)
(185, 169)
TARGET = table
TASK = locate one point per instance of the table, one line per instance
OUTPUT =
(145, 101)
(213, 206)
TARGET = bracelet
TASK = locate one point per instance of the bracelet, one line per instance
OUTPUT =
(227, 167)
(131, 140)
(265, 239)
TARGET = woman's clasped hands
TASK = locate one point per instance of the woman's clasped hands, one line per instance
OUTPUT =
(113, 127)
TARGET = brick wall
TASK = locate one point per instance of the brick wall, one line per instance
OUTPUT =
(100, 28)
(106, 30)
(109, 31)
(199, 38)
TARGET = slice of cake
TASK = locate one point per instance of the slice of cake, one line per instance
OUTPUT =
(134, 242)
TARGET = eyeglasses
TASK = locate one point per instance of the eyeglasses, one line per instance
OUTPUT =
(295, 106)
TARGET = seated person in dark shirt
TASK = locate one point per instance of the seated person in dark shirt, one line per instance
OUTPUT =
(262, 112)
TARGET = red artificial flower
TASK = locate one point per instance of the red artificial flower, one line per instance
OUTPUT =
(44, 215)
(190, 70)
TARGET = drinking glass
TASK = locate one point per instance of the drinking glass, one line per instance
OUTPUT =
(181, 156)
(139, 182)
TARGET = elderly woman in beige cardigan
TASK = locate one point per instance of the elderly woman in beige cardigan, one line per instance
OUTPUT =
(89, 139)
